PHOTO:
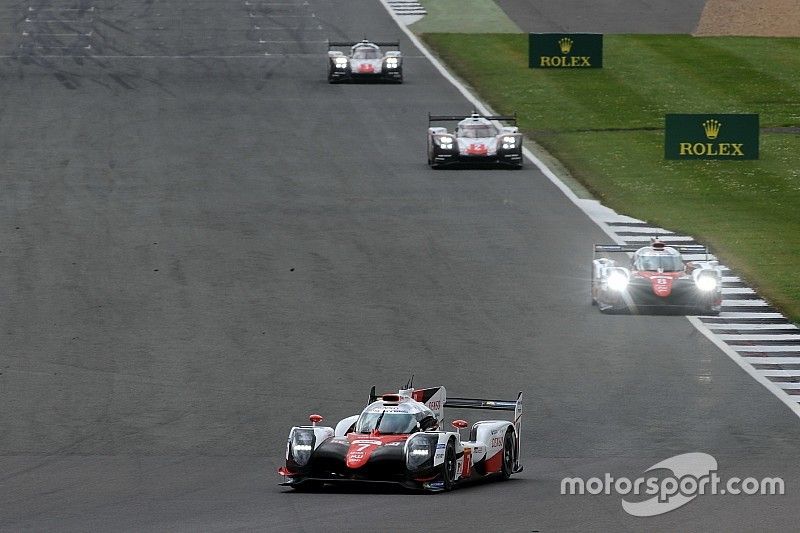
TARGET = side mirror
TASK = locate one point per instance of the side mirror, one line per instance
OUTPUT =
(460, 424)
(315, 419)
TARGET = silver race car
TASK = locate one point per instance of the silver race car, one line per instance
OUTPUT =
(365, 62)
(656, 279)
(475, 139)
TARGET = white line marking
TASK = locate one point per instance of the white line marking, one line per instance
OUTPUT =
(743, 303)
(759, 337)
(788, 385)
(737, 290)
(766, 349)
(753, 327)
(748, 314)
(773, 360)
(780, 373)
(759, 375)
(646, 231)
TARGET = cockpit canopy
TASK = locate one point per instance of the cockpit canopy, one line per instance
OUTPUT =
(366, 52)
(665, 260)
(476, 129)
(395, 419)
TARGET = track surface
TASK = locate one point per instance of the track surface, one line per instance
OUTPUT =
(617, 16)
(204, 244)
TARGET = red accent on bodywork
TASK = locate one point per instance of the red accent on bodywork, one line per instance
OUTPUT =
(460, 424)
(285, 472)
(366, 68)
(661, 282)
(362, 446)
(315, 419)
(417, 395)
(477, 149)
(495, 462)
(466, 469)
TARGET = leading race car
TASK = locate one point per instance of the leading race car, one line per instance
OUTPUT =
(475, 140)
(365, 62)
(399, 439)
(656, 279)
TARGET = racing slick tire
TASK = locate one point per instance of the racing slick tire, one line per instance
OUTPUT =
(448, 468)
(509, 449)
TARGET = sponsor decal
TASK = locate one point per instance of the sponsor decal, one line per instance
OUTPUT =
(366, 68)
(672, 483)
(565, 50)
(703, 136)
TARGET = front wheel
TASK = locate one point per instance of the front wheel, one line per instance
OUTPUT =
(448, 468)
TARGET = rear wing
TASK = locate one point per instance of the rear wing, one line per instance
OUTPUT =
(443, 118)
(495, 405)
(621, 248)
(350, 44)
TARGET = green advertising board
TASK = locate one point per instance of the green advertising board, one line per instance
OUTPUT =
(707, 136)
(565, 50)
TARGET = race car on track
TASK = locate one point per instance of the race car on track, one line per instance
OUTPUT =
(365, 62)
(475, 139)
(398, 439)
(656, 279)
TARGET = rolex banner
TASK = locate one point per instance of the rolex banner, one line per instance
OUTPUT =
(565, 50)
(711, 136)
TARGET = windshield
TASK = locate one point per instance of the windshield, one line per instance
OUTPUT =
(477, 131)
(366, 53)
(665, 263)
(386, 422)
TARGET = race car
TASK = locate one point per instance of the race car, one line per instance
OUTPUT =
(657, 279)
(475, 140)
(365, 62)
(399, 439)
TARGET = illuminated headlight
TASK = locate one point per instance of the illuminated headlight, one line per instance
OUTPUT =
(446, 143)
(420, 450)
(340, 62)
(510, 140)
(617, 281)
(706, 283)
(392, 62)
(302, 445)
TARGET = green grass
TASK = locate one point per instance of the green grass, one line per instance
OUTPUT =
(747, 211)
(465, 16)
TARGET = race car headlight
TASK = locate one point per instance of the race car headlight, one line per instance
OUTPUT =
(392, 62)
(340, 62)
(510, 140)
(446, 143)
(420, 450)
(302, 445)
(706, 283)
(617, 281)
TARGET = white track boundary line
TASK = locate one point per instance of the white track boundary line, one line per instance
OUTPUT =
(744, 365)
(582, 205)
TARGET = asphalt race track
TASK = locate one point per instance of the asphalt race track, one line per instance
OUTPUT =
(605, 16)
(202, 242)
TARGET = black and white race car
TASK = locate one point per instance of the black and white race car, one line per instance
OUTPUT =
(656, 279)
(399, 438)
(365, 62)
(475, 139)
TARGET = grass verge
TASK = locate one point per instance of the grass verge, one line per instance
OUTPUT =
(606, 127)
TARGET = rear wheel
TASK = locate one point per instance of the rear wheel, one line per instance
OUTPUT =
(509, 451)
(448, 468)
